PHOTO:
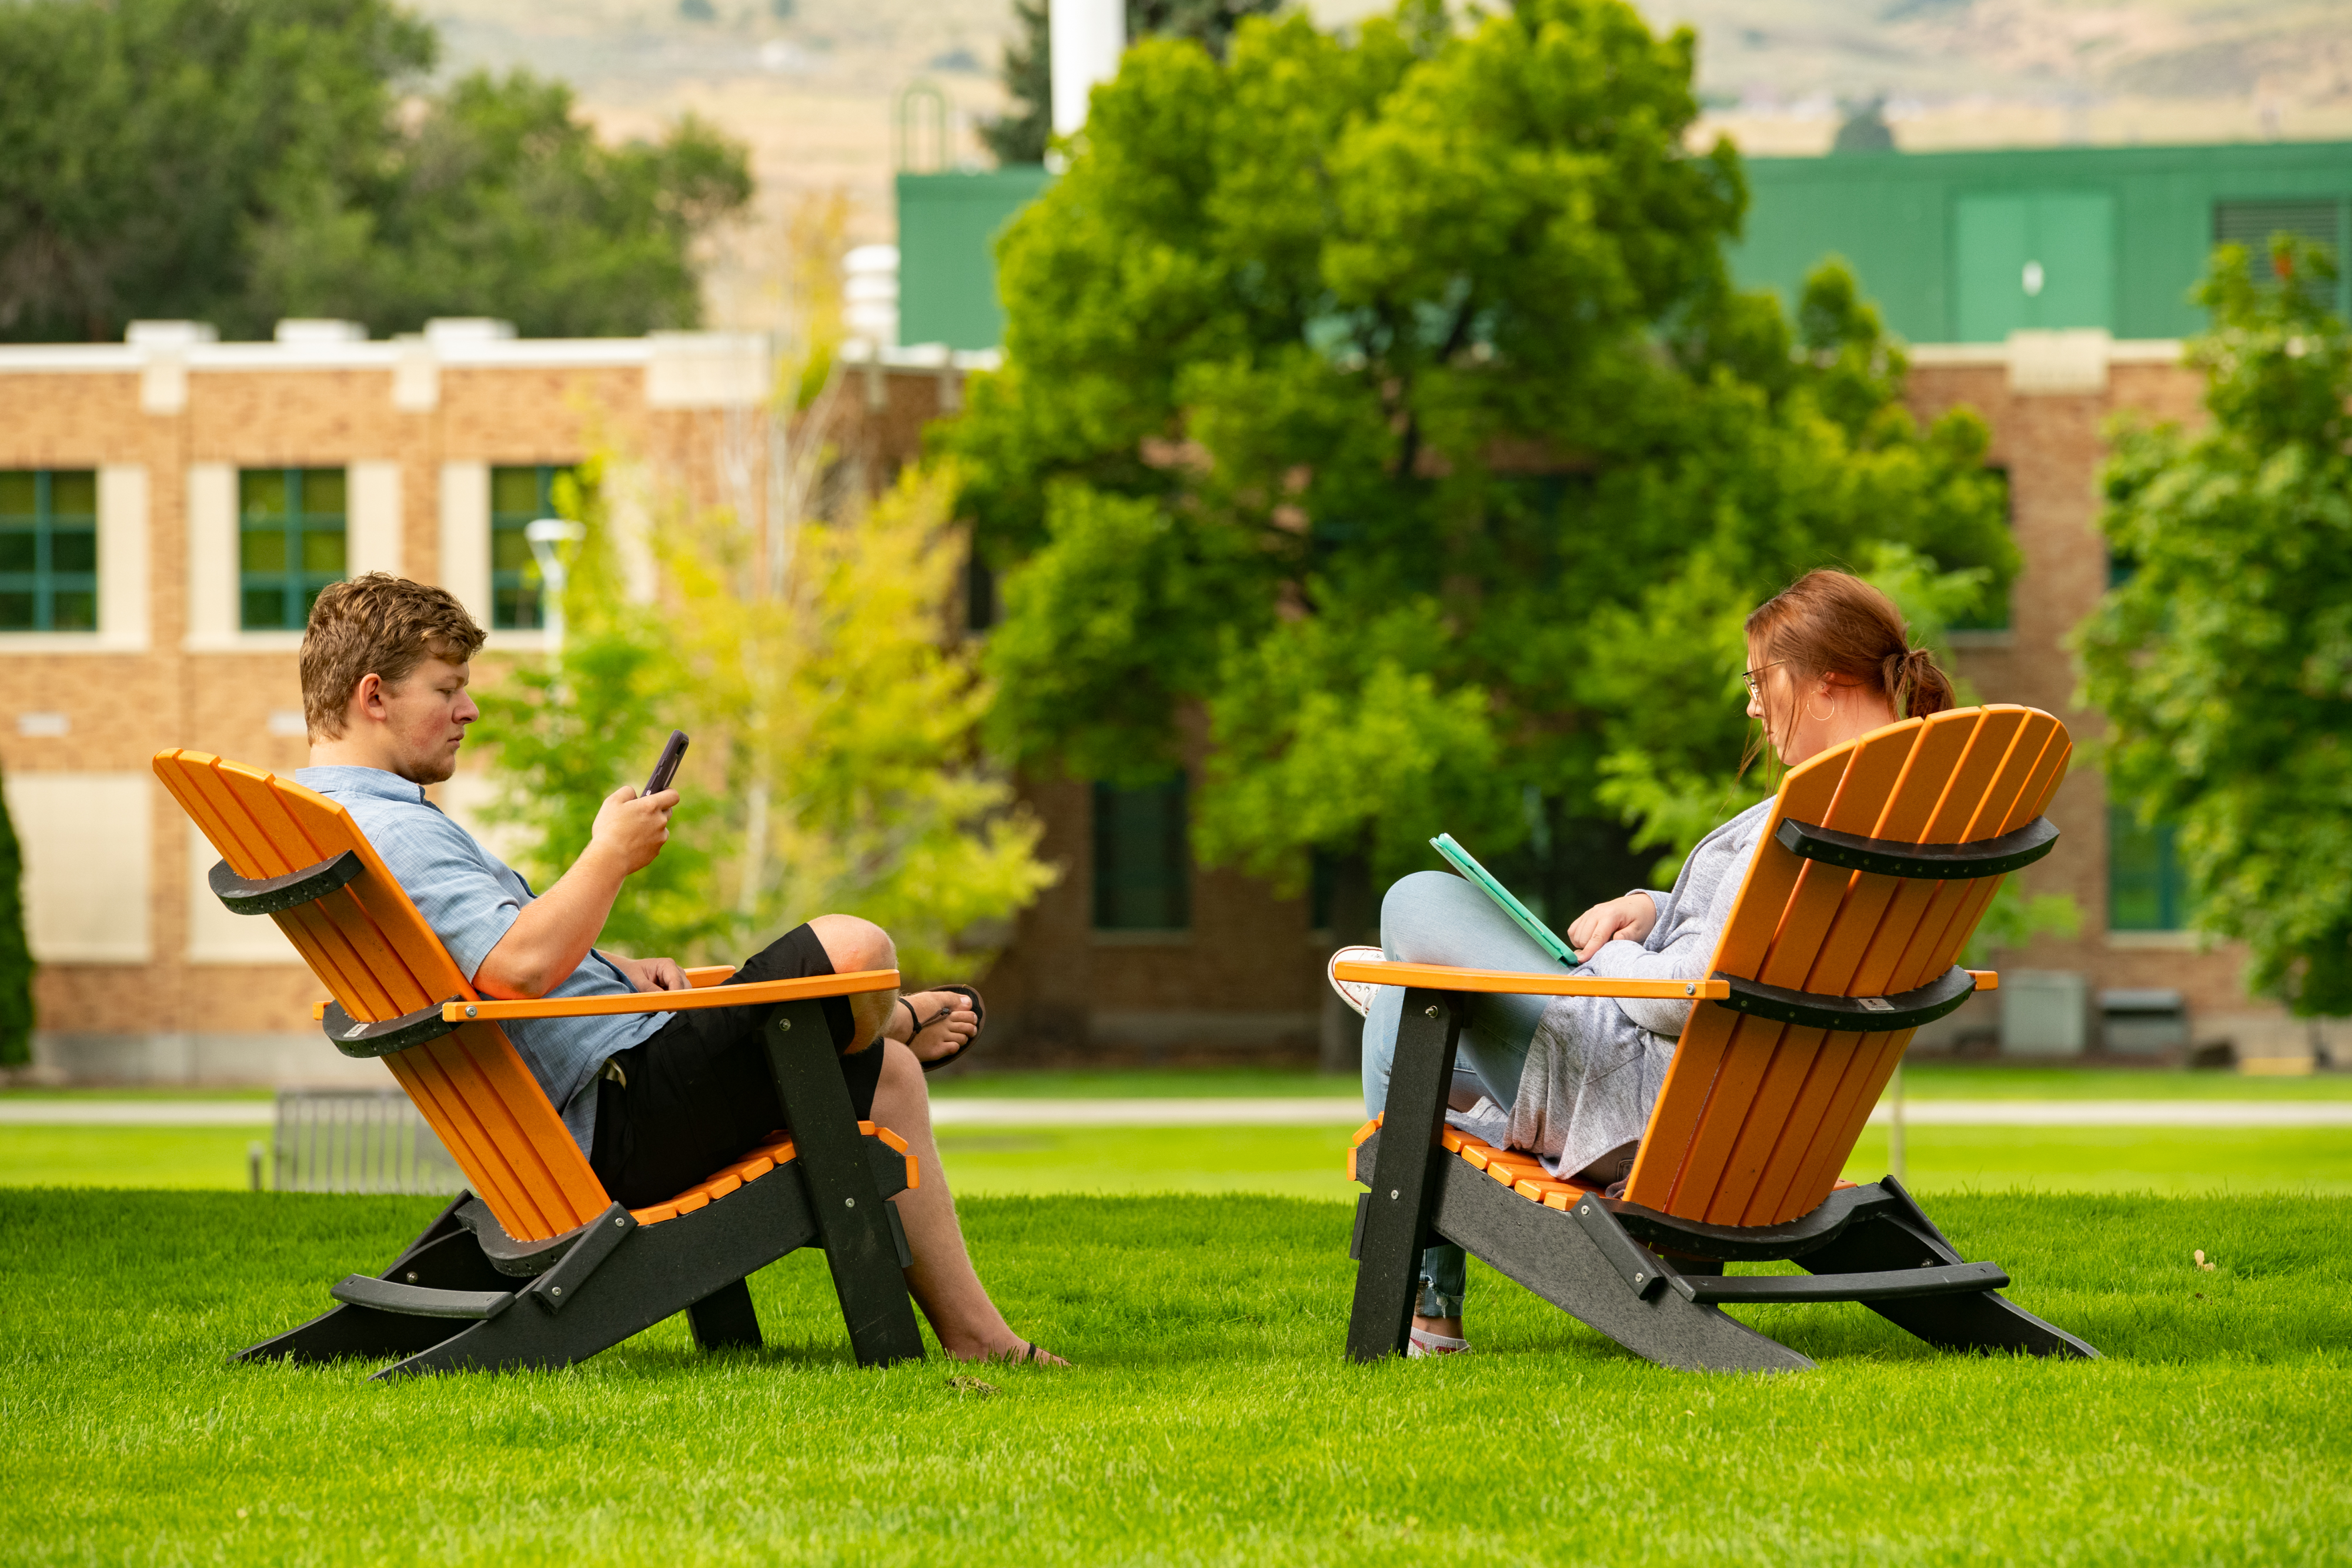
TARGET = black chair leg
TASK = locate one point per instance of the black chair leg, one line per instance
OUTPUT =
(859, 1244)
(725, 1319)
(1397, 1220)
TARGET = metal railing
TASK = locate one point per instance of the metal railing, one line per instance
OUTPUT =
(365, 1140)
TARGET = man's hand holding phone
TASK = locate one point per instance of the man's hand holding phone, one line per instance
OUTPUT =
(632, 825)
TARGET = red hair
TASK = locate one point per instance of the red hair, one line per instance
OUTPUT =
(1832, 624)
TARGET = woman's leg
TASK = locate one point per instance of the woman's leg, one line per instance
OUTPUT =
(1434, 917)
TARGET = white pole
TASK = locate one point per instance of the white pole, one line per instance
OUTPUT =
(543, 534)
(1894, 1128)
(1085, 38)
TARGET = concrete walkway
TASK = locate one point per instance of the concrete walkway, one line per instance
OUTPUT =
(1320, 1112)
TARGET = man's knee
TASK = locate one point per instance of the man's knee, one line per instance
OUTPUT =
(852, 944)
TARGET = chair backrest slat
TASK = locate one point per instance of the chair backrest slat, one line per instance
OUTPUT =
(1756, 1118)
(1706, 1040)
(1917, 906)
(1799, 1092)
(2046, 740)
(367, 944)
(1765, 1070)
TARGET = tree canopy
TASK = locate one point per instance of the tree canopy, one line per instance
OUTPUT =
(2223, 660)
(1377, 416)
(237, 161)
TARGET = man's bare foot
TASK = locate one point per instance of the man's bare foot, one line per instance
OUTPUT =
(1020, 1352)
(947, 1019)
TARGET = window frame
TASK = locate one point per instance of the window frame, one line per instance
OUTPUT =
(45, 582)
(1115, 877)
(2171, 880)
(525, 578)
(293, 528)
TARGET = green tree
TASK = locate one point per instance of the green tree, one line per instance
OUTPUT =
(1020, 134)
(2223, 660)
(16, 956)
(499, 201)
(1381, 400)
(238, 161)
(833, 764)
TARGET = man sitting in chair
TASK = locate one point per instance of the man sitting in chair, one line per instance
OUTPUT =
(656, 1101)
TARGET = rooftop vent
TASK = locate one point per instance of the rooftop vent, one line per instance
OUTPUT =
(170, 334)
(467, 330)
(316, 332)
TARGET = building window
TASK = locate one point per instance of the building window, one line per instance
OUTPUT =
(48, 551)
(289, 543)
(519, 498)
(2146, 888)
(1143, 867)
(2251, 224)
(1994, 614)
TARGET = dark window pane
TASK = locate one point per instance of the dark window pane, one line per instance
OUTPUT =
(514, 492)
(322, 550)
(322, 492)
(309, 600)
(74, 610)
(2147, 890)
(73, 550)
(265, 609)
(16, 610)
(261, 493)
(18, 550)
(73, 494)
(261, 549)
(1142, 865)
(16, 493)
(509, 551)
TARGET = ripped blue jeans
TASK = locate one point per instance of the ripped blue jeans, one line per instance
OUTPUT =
(1434, 917)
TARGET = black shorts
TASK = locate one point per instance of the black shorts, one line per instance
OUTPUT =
(699, 1093)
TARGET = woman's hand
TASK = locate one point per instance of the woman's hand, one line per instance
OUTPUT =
(1628, 919)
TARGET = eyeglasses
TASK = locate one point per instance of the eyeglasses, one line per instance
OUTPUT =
(1755, 686)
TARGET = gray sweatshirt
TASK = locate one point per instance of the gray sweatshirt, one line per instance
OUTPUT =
(1595, 1065)
(1691, 920)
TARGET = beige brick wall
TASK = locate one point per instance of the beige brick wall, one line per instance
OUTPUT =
(1245, 980)
(2053, 446)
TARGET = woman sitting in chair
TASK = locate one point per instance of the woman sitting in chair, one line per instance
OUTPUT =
(1573, 1078)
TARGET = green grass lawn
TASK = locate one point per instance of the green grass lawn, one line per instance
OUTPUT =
(1210, 1417)
(1310, 1162)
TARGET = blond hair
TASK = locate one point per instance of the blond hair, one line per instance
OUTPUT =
(376, 625)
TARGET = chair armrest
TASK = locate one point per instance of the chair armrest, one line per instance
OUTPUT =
(759, 993)
(1986, 979)
(715, 974)
(1510, 982)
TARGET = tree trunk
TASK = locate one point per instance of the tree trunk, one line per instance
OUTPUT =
(1355, 915)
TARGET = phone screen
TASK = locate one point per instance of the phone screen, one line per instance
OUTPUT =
(667, 768)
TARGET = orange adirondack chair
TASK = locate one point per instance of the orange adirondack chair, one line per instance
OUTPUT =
(1878, 862)
(538, 1227)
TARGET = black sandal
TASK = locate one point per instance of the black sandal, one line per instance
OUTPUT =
(922, 1023)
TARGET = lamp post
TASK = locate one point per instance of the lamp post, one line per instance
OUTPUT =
(543, 534)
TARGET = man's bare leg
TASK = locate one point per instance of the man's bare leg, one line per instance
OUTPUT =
(943, 1282)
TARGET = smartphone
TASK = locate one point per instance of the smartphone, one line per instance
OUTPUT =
(667, 768)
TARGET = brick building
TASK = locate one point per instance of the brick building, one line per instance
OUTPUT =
(167, 503)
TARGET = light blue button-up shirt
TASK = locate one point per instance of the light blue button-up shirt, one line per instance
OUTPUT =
(470, 897)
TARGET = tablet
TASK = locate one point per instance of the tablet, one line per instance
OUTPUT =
(1462, 860)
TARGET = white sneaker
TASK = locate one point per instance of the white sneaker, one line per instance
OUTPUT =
(1422, 1343)
(1355, 993)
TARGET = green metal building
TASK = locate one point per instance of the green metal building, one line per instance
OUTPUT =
(1954, 247)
